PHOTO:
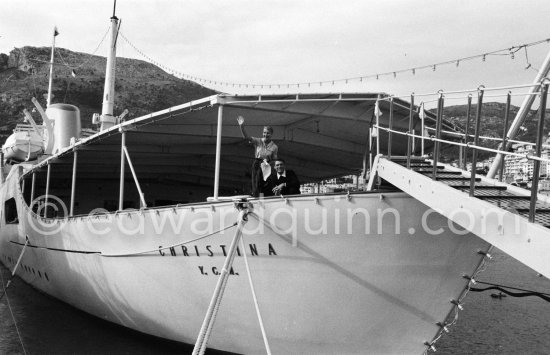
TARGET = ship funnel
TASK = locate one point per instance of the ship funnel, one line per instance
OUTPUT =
(67, 124)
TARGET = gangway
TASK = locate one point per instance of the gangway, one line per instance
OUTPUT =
(513, 219)
(498, 213)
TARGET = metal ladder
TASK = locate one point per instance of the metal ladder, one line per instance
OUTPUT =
(501, 196)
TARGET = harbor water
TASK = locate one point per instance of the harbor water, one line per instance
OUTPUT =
(487, 325)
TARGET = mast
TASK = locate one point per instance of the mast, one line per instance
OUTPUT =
(107, 119)
(521, 115)
(49, 99)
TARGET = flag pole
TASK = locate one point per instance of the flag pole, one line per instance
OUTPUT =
(49, 99)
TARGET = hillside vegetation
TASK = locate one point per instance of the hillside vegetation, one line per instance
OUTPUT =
(141, 87)
(492, 124)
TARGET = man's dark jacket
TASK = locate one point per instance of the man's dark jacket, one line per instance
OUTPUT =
(292, 183)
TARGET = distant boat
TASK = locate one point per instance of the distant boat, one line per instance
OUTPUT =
(499, 295)
(131, 225)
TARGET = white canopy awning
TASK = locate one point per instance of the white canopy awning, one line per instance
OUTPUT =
(319, 135)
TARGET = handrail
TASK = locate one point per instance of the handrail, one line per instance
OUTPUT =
(476, 147)
(468, 145)
(497, 88)
(21, 127)
(451, 133)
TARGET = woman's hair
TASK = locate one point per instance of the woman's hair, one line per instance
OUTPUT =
(269, 128)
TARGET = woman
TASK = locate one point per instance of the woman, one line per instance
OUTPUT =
(265, 150)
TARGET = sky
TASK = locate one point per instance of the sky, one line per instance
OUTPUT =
(302, 41)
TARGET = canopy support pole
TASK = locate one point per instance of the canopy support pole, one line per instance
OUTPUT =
(73, 183)
(32, 188)
(370, 150)
(2, 177)
(377, 112)
(141, 194)
(47, 191)
(121, 188)
(218, 153)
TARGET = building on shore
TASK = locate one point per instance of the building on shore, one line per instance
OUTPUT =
(521, 168)
(345, 183)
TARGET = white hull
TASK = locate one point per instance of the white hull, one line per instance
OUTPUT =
(345, 288)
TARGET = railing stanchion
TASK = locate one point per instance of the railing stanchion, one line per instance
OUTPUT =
(476, 140)
(438, 134)
(461, 154)
(466, 134)
(390, 128)
(422, 116)
(536, 167)
(377, 113)
(218, 153)
(410, 139)
(73, 183)
(505, 130)
(31, 203)
(371, 130)
(47, 195)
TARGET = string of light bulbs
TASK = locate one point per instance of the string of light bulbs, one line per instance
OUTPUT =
(64, 62)
(511, 52)
(90, 56)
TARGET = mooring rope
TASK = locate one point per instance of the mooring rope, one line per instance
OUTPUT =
(12, 315)
(171, 246)
(503, 288)
(255, 298)
(156, 250)
(212, 311)
(16, 266)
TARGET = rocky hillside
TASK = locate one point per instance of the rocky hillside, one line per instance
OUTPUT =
(141, 87)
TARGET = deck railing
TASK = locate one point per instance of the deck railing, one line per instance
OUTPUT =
(464, 141)
(21, 127)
